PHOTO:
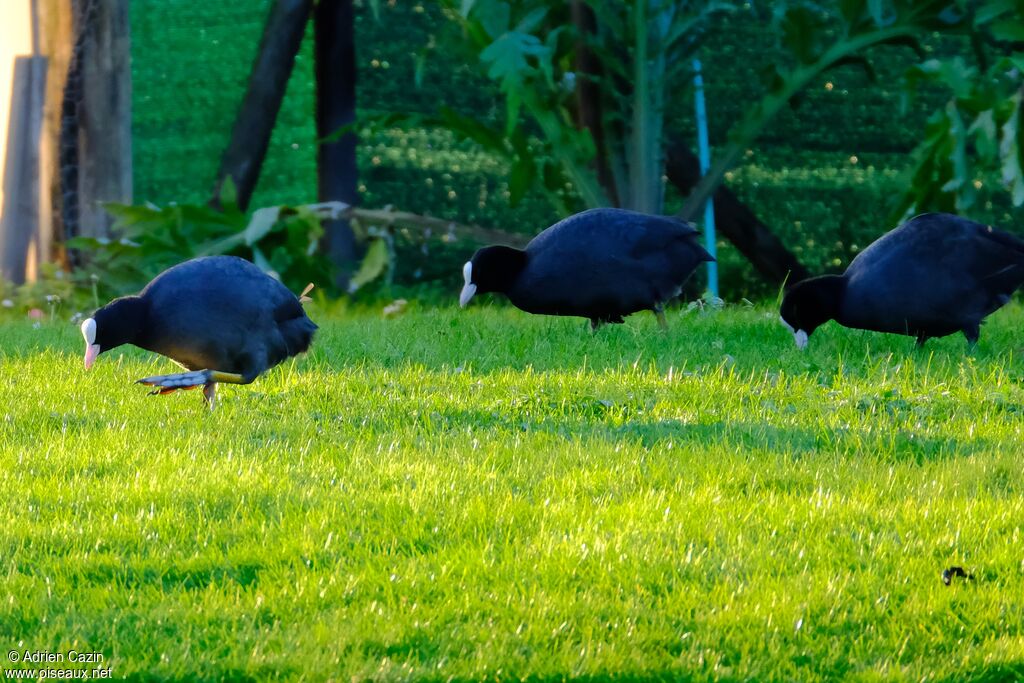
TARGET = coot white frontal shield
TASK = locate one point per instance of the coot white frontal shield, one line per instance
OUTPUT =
(468, 289)
(92, 349)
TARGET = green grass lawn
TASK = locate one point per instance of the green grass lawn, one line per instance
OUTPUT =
(482, 494)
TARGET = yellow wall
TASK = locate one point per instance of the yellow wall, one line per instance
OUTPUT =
(15, 39)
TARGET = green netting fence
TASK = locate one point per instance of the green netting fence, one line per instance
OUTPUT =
(823, 175)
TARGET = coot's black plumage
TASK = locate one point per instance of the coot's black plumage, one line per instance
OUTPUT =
(219, 316)
(935, 275)
(601, 264)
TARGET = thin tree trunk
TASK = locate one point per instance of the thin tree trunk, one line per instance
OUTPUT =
(56, 39)
(250, 136)
(588, 95)
(105, 115)
(737, 222)
(337, 174)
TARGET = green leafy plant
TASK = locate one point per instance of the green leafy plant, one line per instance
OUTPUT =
(591, 78)
(282, 240)
(819, 39)
(978, 133)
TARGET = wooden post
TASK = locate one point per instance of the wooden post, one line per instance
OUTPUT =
(19, 227)
(56, 39)
(105, 115)
(250, 136)
(337, 174)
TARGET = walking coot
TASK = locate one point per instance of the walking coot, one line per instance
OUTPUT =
(601, 264)
(220, 317)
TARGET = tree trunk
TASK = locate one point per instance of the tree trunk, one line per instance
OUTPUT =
(250, 136)
(20, 224)
(104, 115)
(588, 95)
(337, 174)
(737, 222)
(56, 40)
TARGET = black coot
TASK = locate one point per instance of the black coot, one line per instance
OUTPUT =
(601, 264)
(935, 275)
(219, 316)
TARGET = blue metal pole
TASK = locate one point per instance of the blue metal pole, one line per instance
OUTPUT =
(705, 163)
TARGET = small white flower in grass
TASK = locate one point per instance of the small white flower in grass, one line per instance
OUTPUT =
(799, 624)
(7, 303)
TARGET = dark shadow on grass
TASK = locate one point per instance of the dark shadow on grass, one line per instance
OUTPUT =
(171, 577)
(597, 421)
(671, 676)
(997, 672)
(257, 675)
(267, 673)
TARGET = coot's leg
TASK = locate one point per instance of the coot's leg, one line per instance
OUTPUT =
(207, 379)
(921, 339)
(973, 333)
(594, 324)
(210, 394)
(659, 313)
(193, 379)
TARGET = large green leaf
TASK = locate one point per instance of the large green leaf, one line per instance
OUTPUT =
(802, 34)
(373, 264)
(520, 176)
(986, 135)
(994, 9)
(1012, 155)
(507, 56)
(495, 16)
(1010, 30)
(260, 224)
(532, 20)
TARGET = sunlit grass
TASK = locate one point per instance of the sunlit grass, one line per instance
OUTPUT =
(485, 494)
